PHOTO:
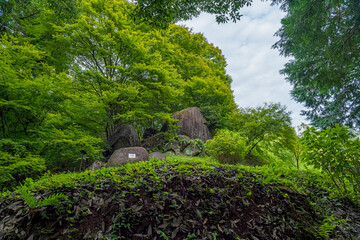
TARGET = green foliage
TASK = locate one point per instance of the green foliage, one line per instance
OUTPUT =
(210, 190)
(335, 151)
(16, 164)
(53, 199)
(267, 131)
(42, 111)
(163, 12)
(322, 37)
(328, 225)
(227, 147)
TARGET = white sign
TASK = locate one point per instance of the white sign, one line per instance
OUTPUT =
(132, 155)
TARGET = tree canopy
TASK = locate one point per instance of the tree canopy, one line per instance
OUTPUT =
(322, 38)
(73, 72)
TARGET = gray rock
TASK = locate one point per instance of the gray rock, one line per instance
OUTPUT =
(158, 155)
(127, 155)
(192, 123)
(154, 143)
(192, 149)
(172, 147)
(184, 141)
(126, 136)
(96, 165)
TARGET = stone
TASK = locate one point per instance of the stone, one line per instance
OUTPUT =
(126, 136)
(127, 155)
(157, 155)
(192, 149)
(192, 123)
(154, 143)
(184, 141)
(172, 147)
(149, 132)
(96, 165)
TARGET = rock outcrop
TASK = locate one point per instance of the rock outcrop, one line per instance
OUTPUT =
(127, 155)
(192, 149)
(126, 136)
(192, 123)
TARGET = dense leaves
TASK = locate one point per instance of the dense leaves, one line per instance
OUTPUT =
(322, 38)
(163, 12)
(267, 130)
(72, 73)
(228, 147)
(177, 199)
(336, 152)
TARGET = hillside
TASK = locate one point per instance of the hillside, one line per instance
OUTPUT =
(179, 198)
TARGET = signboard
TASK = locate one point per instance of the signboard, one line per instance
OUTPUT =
(132, 155)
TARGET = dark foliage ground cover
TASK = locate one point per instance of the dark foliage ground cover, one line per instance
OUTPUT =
(178, 199)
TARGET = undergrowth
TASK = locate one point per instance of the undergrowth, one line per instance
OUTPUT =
(150, 180)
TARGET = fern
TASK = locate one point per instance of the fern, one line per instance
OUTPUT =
(32, 203)
(327, 227)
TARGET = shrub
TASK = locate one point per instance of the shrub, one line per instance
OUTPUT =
(15, 169)
(227, 147)
(336, 152)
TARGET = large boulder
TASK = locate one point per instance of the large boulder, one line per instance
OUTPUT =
(192, 149)
(126, 136)
(127, 155)
(192, 123)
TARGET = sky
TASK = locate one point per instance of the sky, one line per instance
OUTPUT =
(252, 64)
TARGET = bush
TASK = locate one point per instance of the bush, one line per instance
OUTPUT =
(15, 169)
(336, 152)
(227, 147)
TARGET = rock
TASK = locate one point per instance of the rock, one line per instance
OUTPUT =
(158, 155)
(155, 142)
(126, 136)
(192, 149)
(172, 147)
(149, 132)
(184, 141)
(126, 155)
(192, 123)
(96, 165)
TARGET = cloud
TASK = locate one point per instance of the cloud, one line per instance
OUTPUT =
(252, 64)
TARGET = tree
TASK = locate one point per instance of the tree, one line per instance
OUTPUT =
(202, 67)
(115, 59)
(42, 111)
(169, 11)
(323, 39)
(34, 20)
(336, 152)
(266, 128)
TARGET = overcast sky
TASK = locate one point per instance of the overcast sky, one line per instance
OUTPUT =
(252, 64)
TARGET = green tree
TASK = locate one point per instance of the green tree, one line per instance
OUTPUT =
(43, 110)
(267, 128)
(336, 152)
(202, 67)
(163, 12)
(322, 38)
(34, 20)
(115, 60)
